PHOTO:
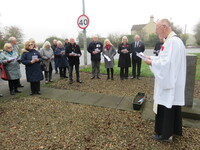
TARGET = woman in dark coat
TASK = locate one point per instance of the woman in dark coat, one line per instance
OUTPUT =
(61, 59)
(31, 59)
(124, 58)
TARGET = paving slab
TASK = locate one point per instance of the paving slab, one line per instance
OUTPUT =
(109, 101)
(148, 114)
(89, 98)
(192, 112)
(61, 94)
(126, 104)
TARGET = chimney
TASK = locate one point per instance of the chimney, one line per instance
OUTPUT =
(151, 18)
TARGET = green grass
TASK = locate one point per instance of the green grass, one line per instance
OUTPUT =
(197, 66)
(145, 71)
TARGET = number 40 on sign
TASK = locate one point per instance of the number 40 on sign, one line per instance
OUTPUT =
(83, 21)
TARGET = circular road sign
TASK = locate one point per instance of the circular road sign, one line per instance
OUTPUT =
(83, 21)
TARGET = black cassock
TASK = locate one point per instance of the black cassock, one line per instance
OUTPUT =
(168, 121)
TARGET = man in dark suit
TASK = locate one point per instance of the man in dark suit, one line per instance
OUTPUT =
(73, 53)
(95, 48)
(136, 46)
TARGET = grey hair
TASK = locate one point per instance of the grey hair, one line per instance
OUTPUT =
(165, 22)
(47, 43)
(11, 39)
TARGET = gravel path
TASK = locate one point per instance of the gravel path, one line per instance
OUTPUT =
(34, 123)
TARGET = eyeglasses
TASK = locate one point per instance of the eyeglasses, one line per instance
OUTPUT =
(159, 27)
(30, 45)
(9, 48)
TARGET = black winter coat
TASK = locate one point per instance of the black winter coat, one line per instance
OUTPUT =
(124, 59)
(33, 71)
(73, 49)
(54, 47)
(92, 47)
(138, 49)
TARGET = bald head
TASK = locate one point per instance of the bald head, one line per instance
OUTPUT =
(95, 38)
(72, 41)
(55, 42)
(12, 40)
(163, 28)
(136, 37)
(164, 22)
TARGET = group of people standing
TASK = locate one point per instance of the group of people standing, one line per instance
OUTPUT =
(65, 58)
(169, 69)
(108, 51)
(36, 61)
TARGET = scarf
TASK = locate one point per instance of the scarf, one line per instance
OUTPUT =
(107, 47)
(10, 53)
(124, 45)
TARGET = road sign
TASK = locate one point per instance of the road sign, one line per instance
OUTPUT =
(83, 21)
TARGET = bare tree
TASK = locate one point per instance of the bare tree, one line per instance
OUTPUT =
(177, 29)
(197, 33)
(115, 38)
(13, 31)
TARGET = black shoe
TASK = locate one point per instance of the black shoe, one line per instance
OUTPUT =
(17, 91)
(92, 77)
(20, 86)
(79, 81)
(70, 81)
(132, 77)
(32, 93)
(12, 93)
(65, 76)
(38, 93)
(161, 138)
(1, 95)
(138, 78)
(98, 77)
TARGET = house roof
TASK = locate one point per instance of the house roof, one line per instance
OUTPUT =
(138, 27)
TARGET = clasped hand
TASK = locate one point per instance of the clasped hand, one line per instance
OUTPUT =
(33, 61)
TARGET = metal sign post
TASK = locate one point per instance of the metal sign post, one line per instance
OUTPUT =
(83, 22)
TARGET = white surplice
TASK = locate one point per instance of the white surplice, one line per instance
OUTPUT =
(169, 69)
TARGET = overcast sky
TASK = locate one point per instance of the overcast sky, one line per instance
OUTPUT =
(40, 19)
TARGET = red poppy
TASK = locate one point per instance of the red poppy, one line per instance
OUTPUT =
(162, 48)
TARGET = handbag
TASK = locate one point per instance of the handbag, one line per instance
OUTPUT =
(43, 66)
(4, 75)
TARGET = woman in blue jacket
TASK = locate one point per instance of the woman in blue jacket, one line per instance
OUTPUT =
(61, 59)
(31, 59)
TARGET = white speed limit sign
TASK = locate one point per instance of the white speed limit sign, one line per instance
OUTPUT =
(83, 21)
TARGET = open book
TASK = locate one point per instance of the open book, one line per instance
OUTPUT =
(108, 59)
(141, 55)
